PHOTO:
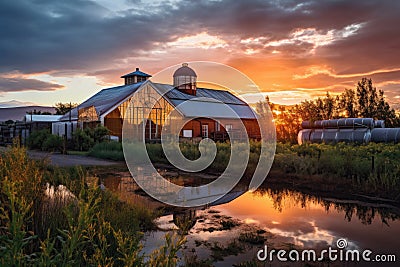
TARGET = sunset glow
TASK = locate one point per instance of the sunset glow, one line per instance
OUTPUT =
(292, 50)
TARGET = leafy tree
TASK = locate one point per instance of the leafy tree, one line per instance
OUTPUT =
(63, 108)
(328, 106)
(367, 98)
(347, 104)
(38, 112)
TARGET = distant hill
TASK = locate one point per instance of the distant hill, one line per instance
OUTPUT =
(16, 103)
(17, 113)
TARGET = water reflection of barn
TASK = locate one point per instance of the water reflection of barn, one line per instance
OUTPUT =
(184, 218)
(109, 107)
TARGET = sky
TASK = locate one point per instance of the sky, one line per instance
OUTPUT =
(66, 51)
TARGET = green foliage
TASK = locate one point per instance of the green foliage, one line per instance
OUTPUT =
(126, 217)
(81, 140)
(375, 166)
(94, 228)
(37, 138)
(363, 101)
(108, 150)
(63, 108)
(167, 254)
(45, 141)
(84, 140)
(100, 134)
(53, 143)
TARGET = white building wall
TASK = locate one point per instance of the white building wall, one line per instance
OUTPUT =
(64, 128)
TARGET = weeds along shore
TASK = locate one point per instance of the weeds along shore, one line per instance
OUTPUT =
(53, 217)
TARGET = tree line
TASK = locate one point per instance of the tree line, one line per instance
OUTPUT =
(365, 101)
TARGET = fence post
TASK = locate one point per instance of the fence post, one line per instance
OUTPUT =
(372, 163)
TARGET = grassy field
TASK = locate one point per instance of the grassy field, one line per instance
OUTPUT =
(371, 167)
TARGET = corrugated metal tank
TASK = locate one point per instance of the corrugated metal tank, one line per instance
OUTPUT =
(354, 130)
(385, 135)
(358, 135)
(342, 123)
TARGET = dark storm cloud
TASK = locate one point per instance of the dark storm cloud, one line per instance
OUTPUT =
(82, 35)
(21, 84)
(55, 35)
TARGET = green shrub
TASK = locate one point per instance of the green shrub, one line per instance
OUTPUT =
(37, 138)
(53, 143)
(100, 134)
(108, 150)
(81, 140)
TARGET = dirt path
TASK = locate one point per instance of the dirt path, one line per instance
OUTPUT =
(70, 160)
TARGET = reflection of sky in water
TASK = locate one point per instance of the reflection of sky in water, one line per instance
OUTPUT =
(311, 225)
(292, 218)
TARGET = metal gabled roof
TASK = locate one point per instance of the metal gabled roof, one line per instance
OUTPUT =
(210, 109)
(219, 95)
(104, 100)
(206, 102)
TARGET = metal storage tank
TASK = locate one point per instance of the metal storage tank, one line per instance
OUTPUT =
(357, 130)
(379, 124)
(385, 135)
(358, 135)
(316, 136)
(343, 123)
(304, 136)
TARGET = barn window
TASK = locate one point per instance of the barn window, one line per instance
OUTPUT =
(204, 131)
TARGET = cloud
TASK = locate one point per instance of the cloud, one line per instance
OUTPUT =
(8, 84)
(82, 34)
(298, 44)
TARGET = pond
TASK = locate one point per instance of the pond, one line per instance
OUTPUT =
(233, 229)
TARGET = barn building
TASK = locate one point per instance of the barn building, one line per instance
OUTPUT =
(109, 107)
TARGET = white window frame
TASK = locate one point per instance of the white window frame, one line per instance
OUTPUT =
(204, 130)
(217, 126)
(188, 133)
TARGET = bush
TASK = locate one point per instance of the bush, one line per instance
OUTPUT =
(100, 134)
(45, 141)
(37, 138)
(53, 143)
(81, 140)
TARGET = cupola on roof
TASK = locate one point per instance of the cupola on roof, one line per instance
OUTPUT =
(135, 77)
(137, 72)
(185, 70)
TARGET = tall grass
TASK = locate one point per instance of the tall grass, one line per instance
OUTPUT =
(91, 227)
(108, 150)
(376, 166)
(372, 166)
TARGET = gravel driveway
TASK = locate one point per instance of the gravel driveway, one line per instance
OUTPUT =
(60, 160)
